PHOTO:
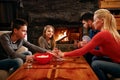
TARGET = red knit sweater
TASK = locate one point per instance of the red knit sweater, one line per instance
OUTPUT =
(107, 44)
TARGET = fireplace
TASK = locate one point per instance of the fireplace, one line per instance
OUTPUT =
(67, 34)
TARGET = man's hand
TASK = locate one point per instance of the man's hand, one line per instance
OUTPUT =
(82, 43)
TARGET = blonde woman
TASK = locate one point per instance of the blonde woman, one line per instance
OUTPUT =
(108, 40)
(47, 40)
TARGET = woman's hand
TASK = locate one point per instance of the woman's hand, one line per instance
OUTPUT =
(57, 53)
(61, 54)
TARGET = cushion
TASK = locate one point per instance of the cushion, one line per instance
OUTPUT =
(3, 75)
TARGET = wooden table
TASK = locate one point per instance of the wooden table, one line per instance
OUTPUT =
(74, 68)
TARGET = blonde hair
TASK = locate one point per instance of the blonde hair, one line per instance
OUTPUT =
(109, 22)
(52, 38)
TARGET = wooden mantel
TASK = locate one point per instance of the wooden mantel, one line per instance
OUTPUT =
(117, 21)
(112, 4)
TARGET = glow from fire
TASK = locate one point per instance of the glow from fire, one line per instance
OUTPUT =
(62, 36)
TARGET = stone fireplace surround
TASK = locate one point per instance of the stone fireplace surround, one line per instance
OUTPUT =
(75, 29)
(59, 13)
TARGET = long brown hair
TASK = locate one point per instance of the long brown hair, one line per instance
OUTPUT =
(53, 43)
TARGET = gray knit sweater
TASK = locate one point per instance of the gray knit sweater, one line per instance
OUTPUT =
(8, 48)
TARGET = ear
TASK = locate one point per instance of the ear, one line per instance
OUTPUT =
(15, 30)
(102, 20)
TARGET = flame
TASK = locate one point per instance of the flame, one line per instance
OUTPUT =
(62, 34)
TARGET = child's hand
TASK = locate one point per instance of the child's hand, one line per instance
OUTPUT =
(55, 50)
(29, 58)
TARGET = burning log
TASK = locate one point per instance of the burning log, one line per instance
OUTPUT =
(61, 39)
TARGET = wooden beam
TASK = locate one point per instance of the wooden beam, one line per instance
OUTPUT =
(111, 0)
(110, 4)
(118, 22)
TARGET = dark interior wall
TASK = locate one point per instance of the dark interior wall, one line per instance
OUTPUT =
(66, 10)
(41, 12)
(54, 12)
(8, 12)
(45, 10)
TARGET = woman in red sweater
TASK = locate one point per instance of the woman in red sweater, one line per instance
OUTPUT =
(108, 40)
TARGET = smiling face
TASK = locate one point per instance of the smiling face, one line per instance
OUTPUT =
(49, 32)
(98, 22)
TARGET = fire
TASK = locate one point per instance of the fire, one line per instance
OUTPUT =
(62, 35)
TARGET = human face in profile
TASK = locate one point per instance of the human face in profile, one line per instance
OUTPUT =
(21, 32)
(49, 32)
(98, 22)
(87, 24)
